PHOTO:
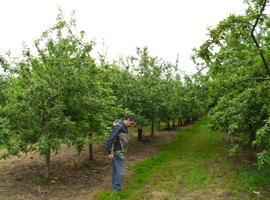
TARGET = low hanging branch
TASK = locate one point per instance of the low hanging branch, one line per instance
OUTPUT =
(255, 40)
(256, 79)
(44, 59)
(260, 78)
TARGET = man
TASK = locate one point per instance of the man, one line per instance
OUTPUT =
(116, 146)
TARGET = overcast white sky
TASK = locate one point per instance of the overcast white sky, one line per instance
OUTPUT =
(167, 27)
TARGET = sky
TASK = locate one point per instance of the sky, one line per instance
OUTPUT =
(166, 27)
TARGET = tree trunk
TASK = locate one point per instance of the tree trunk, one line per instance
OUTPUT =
(140, 134)
(90, 147)
(168, 125)
(252, 137)
(91, 152)
(47, 164)
(173, 125)
(152, 128)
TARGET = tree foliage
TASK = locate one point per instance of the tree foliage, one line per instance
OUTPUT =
(57, 93)
(237, 57)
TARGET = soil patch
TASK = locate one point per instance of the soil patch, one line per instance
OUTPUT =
(72, 175)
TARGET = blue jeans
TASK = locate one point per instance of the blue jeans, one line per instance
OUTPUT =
(117, 171)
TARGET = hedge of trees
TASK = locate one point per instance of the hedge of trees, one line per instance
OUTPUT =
(237, 56)
(57, 93)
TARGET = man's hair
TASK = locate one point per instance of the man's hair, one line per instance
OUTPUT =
(132, 118)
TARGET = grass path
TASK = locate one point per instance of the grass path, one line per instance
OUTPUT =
(193, 167)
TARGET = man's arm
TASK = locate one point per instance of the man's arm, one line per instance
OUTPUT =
(112, 137)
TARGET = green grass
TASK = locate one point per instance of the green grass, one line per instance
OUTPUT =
(195, 161)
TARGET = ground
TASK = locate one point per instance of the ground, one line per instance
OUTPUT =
(73, 176)
(195, 166)
(190, 163)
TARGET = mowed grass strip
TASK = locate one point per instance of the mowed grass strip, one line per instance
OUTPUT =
(193, 166)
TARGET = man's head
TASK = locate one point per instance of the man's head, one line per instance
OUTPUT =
(130, 121)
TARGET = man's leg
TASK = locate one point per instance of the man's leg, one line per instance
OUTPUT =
(113, 173)
(118, 171)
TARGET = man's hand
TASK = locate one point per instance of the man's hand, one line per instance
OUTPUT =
(110, 156)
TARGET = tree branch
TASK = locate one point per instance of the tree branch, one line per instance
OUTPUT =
(257, 79)
(41, 54)
(255, 40)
